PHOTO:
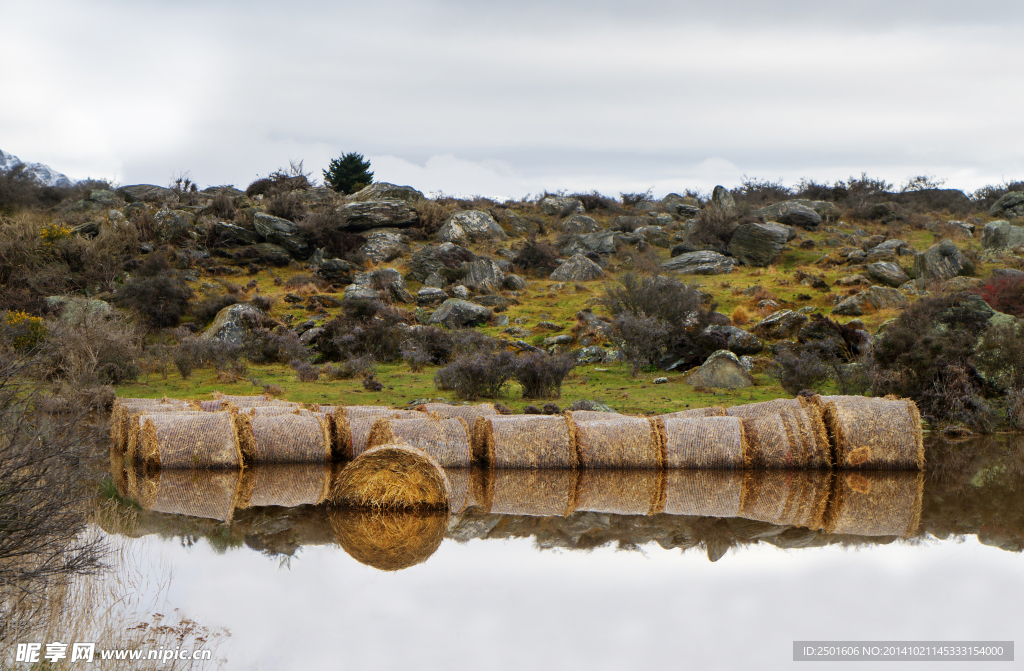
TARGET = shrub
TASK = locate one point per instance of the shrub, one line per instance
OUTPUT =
(432, 215)
(92, 349)
(714, 227)
(798, 370)
(479, 375)
(326, 230)
(541, 375)
(536, 255)
(192, 352)
(261, 302)
(1000, 355)
(349, 368)
(1004, 295)
(23, 331)
(281, 345)
(206, 310)
(370, 382)
(740, 316)
(754, 193)
(280, 181)
(305, 371)
(595, 201)
(349, 173)
(222, 206)
(286, 206)
(643, 339)
(368, 328)
(633, 199)
(160, 299)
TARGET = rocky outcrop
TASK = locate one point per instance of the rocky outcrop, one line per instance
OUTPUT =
(700, 263)
(430, 296)
(335, 271)
(235, 322)
(383, 246)
(470, 226)
(758, 244)
(518, 224)
(740, 342)
(484, 276)
(941, 262)
(1002, 234)
(887, 273)
(873, 298)
(686, 207)
(232, 235)
(580, 223)
(720, 197)
(780, 325)
(655, 235)
(173, 226)
(559, 205)
(792, 213)
(825, 210)
(362, 216)
(1010, 205)
(384, 191)
(281, 232)
(433, 259)
(722, 370)
(456, 313)
(148, 193)
(599, 243)
(577, 269)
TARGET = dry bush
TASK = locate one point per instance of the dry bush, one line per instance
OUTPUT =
(91, 349)
(304, 370)
(478, 375)
(754, 193)
(740, 316)
(192, 352)
(433, 214)
(326, 230)
(541, 375)
(286, 206)
(536, 256)
(714, 227)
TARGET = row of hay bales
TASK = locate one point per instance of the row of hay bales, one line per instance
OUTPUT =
(820, 432)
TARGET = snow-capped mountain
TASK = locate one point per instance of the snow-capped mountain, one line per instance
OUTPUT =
(43, 174)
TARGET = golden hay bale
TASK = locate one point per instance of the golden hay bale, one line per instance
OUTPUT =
(389, 540)
(352, 426)
(446, 440)
(771, 442)
(260, 399)
(708, 442)
(703, 493)
(467, 412)
(786, 498)
(481, 489)
(874, 433)
(765, 408)
(525, 441)
(539, 493)
(132, 451)
(288, 438)
(713, 411)
(124, 407)
(392, 476)
(876, 504)
(620, 442)
(591, 415)
(809, 429)
(621, 492)
(461, 482)
(196, 493)
(285, 485)
(357, 411)
(212, 406)
(193, 440)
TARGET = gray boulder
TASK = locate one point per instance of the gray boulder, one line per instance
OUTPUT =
(436, 281)
(739, 341)
(824, 209)
(1008, 274)
(795, 214)
(720, 197)
(722, 370)
(73, 308)
(599, 243)
(456, 313)
(518, 224)
(430, 296)
(384, 191)
(758, 244)
(335, 271)
(235, 322)
(1010, 205)
(700, 263)
(172, 225)
(149, 193)
(893, 246)
(1002, 235)
(383, 246)
(281, 232)
(591, 354)
(942, 261)
(380, 283)
(874, 298)
(655, 235)
(780, 325)
(681, 205)
(577, 269)
(580, 223)
(379, 214)
(470, 226)
(484, 276)
(554, 205)
(235, 235)
(320, 198)
(431, 259)
(515, 282)
(886, 273)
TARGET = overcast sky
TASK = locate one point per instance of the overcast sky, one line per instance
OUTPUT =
(509, 99)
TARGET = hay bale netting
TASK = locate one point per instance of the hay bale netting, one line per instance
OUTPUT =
(446, 440)
(874, 433)
(469, 413)
(786, 498)
(621, 492)
(708, 442)
(190, 440)
(525, 441)
(285, 485)
(539, 493)
(460, 480)
(810, 430)
(876, 504)
(211, 494)
(392, 477)
(713, 411)
(352, 426)
(211, 406)
(246, 401)
(124, 407)
(704, 492)
(772, 442)
(132, 449)
(389, 540)
(592, 415)
(766, 408)
(290, 438)
(618, 442)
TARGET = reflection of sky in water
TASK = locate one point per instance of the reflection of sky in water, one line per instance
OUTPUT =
(506, 605)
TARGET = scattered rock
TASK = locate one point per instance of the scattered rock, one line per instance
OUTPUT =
(577, 269)
(377, 283)
(686, 207)
(795, 214)
(149, 193)
(889, 274)
(281, 232)
(172, 225)
(1002, 235)
(232, 235)
(591, 354)
(563, 339)
(515, 282)
(379, 214)
(661, 380)
(722, 370)
(758, 244)
(234, 322)
(720, 197)
(941, 262)
(73, 308)
(484, 276)
(780, 325)
(602, 242)
(384, 191)
(580, 223)
(496, 302)
(700, 263)
(1010, 205)
(470, 226)
(655, 235)
(873, 298)
(456, 313)
(383, 246)
(335, 271)
(431, 259)
(1009, 274)
(555, 205)
(430, 296)
(738, 340)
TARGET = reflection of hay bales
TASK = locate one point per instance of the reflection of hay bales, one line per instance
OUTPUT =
(540, 493)
(813, 498)
(704, 493)
(481, 488)
(196, 493)
(288, 438)
(124, 407)
(766, 408)
(389, 540)
(709, 442)
(132, 478)
(204, 440)
(352, 425)
(525, 441)
(771, 442)
(446, 440)
(460, 481)
(621, 492)
(132, 448)
(117, 474)
(285, 485)
(876, 504)
(591, 415)
(469, 413)
(392, 476)
(875, 433)
(619, 442)
(786, 498)
(713, 411)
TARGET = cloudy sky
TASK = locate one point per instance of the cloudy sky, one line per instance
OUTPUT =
(509, 99)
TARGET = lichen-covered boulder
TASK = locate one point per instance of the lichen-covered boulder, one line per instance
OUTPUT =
(384, 191)
(780, 325)
(560, 205)
(700, 263)
(281, 232)
(942, 261)
(470, 226)
(577, 269)
(758, 244)
(874, 298)
(457, 313)
(721, 370)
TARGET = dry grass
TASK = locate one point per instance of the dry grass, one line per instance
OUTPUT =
(352, 425)
(876, 504)
(389, 540)
(740, 316)
(618, 442)
(446, 440)
(123, 407)
(874, 433)
(392, 477)
(525, 441)
(704, 442)
(185, 440)
(772, 443)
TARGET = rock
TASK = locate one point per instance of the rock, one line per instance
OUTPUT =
(430, 296)
(435, 281)
(1011, 275)
(322, 301)
(960, 284)
(602, 242)
(700, 263)
(515, 282)
(232, 235)
(383, 246)
(683, 206)
(720, 197)
(577, 269)
(381, 282)
(559, 205)
(915, 288)
(630, 223)
(1010, 205)
(234, 322)
(281, 232)
(149, 193)
(501, 320)
(470, 226)
(655, 235)
(363, 216)
(73, 308)
(335, 271)
(455, 313)
(384, 191)
(592, 354)
(883, 212)
(889, 274)
(137, 209)
(484, 276)
(775, 212)
(661, 380)
(227, 190)
(758, 244)
(738, 340)
(941, 262)
(795, 214)
(518, 224)
(564, 339)
(431, 259)
(460, 292)
(172, 225)
(722, 370)
(895, 246)
(496, 302)
(580, 223)
(103, 197)
(310, 337)
(874, 298)
(780, 325)
(359, 292)
(319, 199)
(1002, 235)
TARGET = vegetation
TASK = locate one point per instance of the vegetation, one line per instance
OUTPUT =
(348, 173)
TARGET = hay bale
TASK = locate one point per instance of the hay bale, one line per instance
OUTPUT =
(392, 477)
(766, 408)
(525, 441)
(708, 442)
(461, 482)
(812, 501)
(446, 440)
(786, 498)
(288, 438)
(285, 485)
(812, 435)
(620, 442)
(352, 425)
(132, 450)
(192, 440)
(713, 411)
(389, 540)
(481, 488)
(539, 493)
(246, 401)
(771, 442)
(703, 493)
(469, 413)
(591, 415)
(876, 504)
(621, 492)
(124, 407)
(211, 406)
(874, 433)
(196, 493)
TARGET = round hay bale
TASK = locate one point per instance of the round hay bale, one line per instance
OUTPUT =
(389, 540)
(713, 411)
(132, 451)
(287, 438)
(874, 433)
(876, 504)
(538, 493)
(469, 413)
(190, 440)
(249, 401)
(392, 477)
(766, 408)
(446, 440)
(124, 407)
(813, 499)
(591, 415)
(708, 442)
(620, 442)
(771, 442)
(211, 406)
(703, 493)
(352, 426)
(812, 435)
(195, 493)
(284, 485)
(525, 441)
(132, 478)
(621, 492)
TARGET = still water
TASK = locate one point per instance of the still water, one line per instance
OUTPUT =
(539, 574)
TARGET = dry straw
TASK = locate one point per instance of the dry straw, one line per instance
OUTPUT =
(469, 413)
(460, 480)
(540, 493)
(288, 438)
(389, 540)
(703, 493)
(619, 442)
(713, 411)
(132, 448)
(875, 433)
(352, 425)
(621, 492)
(285, 485)
(245, 401)
(771, 442)
(446, 440)
(207, 440)
(117, 474)
(876, 504)
(196, 493)
(525, 441)
(709, 442)
(392, 477)
(813, 437)
(132, 478)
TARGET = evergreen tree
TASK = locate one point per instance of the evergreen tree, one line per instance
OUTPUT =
(348, 174)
